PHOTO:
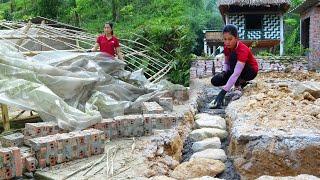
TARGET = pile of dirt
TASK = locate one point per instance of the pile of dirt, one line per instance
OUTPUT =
(273, 99)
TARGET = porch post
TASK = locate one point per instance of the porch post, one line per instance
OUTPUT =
(205, 47)
(281, 36)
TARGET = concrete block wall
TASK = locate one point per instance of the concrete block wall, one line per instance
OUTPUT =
(135, 125)
(50, 150)
(266, 64)
(53, 149)
(282, 64)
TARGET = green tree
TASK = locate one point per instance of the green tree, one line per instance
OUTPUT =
(291, 33)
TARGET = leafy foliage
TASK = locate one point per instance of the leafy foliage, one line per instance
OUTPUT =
(292, 32)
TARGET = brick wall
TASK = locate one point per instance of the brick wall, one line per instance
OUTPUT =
(314, 48)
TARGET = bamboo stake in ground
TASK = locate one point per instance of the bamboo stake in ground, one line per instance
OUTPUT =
(5, 117)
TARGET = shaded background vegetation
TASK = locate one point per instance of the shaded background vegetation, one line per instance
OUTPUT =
(173, 25)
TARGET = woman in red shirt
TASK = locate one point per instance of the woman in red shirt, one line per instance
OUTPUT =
(108, 43)
(239, 67)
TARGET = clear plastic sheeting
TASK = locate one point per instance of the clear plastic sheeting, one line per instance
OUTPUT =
(76, 90)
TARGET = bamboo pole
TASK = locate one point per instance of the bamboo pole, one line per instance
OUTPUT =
(145, 56)
(5, 117)
(56, 31)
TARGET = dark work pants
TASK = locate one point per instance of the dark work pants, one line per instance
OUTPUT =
(222, 78)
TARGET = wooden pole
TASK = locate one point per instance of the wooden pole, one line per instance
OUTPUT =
(281, 36)
(5, 117)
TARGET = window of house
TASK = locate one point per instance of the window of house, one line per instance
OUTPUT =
(253, 22)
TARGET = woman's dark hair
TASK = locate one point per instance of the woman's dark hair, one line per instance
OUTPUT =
(111, 25)
(232, 29)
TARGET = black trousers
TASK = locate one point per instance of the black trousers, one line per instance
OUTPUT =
(247, 74)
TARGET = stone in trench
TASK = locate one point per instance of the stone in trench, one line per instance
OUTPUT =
(216, 154)
(205, 120)
(210, 143)
(198, 167)
(299, 177)
(204, 133)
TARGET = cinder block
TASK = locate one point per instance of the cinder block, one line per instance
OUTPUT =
(12, 140)
(31, 164)
(42, 163)
(8, 174)
(33, 130)
(130, 125)
(28, 159)
(96, 143)
(147, 124)
(17, 172)
(5, 156)
(151, 122)
(7, 163)
(158, 121)
(151, 108)
(45, 149)
(64, 147)
(82, 147)
(111, 128)
(10, 163)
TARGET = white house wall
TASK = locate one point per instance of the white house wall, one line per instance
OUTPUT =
(239, 21)
(271, 26)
